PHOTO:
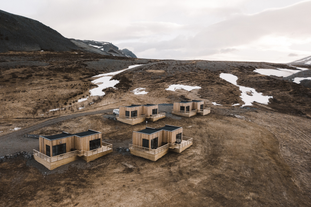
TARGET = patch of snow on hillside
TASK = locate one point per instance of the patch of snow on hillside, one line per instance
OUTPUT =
(140, 91)
(308, 63)
(104, 81)
(280, 72)
(298, 80)
(180, 86)
(54, 109)
(248, 95)
(237, 104)
(82, 99)
(216, 104)
(16, 128)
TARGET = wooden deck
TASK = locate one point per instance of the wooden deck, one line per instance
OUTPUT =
(204, 111)
(150, 154)
(54, 162)
(185, 144)
(132, 121)
(157, 117)
(189, 114)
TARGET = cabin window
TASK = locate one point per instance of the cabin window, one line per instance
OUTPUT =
(127, 113)
(47, 150)
(154, 143)
(146, 143)
(182, 109)
(59, 149)
(201, 106)
(187, 108)
(94, 144)
(178, 138)
(134, 113)
(154, 111)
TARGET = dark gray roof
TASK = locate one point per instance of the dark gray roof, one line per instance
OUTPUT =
(133, 105)
(58, 136)
(150, 105)
(170, 128)
(149, 130)
(185, 101)
(196, 100)
(87, 133)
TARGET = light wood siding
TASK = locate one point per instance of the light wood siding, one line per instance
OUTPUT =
(84, 142)
(177, 105)
(122, 110)
(138, 137)
(72, 142)
(147, 110)
(196, 105)
(172, 138)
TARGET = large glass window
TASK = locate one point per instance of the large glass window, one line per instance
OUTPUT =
(154, 111)
(178, 138)
(59, 149)
(47, 150)
(182, 108)
(127, 113)
(134, 113)
(94, 144)
(154, 143)
(146, 143)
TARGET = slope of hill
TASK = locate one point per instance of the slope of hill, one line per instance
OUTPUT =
(303, 61)
(104, 48)
(19, 33)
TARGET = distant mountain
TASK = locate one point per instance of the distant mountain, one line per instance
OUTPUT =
(105, 48)
(303, 61)
(19, 33)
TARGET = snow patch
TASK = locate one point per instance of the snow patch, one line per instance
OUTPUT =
(80, 108)
(280, 72)
(248, 95)
(298, 80)
(237, 104)
(180, 86)
(216, 104)
(16, 128)
(104, 81)
(82, 99)
(140, 91)
(54, 110)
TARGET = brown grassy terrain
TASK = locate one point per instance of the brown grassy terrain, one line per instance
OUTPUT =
(240, 157)
(233, 162)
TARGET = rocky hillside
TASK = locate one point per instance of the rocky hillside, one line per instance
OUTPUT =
(105, 48)
(19, 33)
(303, 61)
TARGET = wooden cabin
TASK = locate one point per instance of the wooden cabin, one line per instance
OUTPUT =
(60, 149)
(152, 144)
(190, 108)
(136, 114)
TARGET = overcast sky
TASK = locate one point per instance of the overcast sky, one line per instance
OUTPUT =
(251, 30)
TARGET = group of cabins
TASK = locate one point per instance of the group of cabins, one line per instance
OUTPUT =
(149, 143)
(135, 114)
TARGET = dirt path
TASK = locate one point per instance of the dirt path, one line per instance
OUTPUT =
(15, 141)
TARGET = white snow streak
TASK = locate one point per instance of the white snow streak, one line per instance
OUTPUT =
(248, 95)
(180, 86)
(140, 91)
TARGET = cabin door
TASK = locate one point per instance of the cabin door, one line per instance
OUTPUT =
(178, 138)
(154, 111)
(201, 106)
(154, 143)
(182, 109)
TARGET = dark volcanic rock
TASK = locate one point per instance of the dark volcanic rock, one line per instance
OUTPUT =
(19, 33)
